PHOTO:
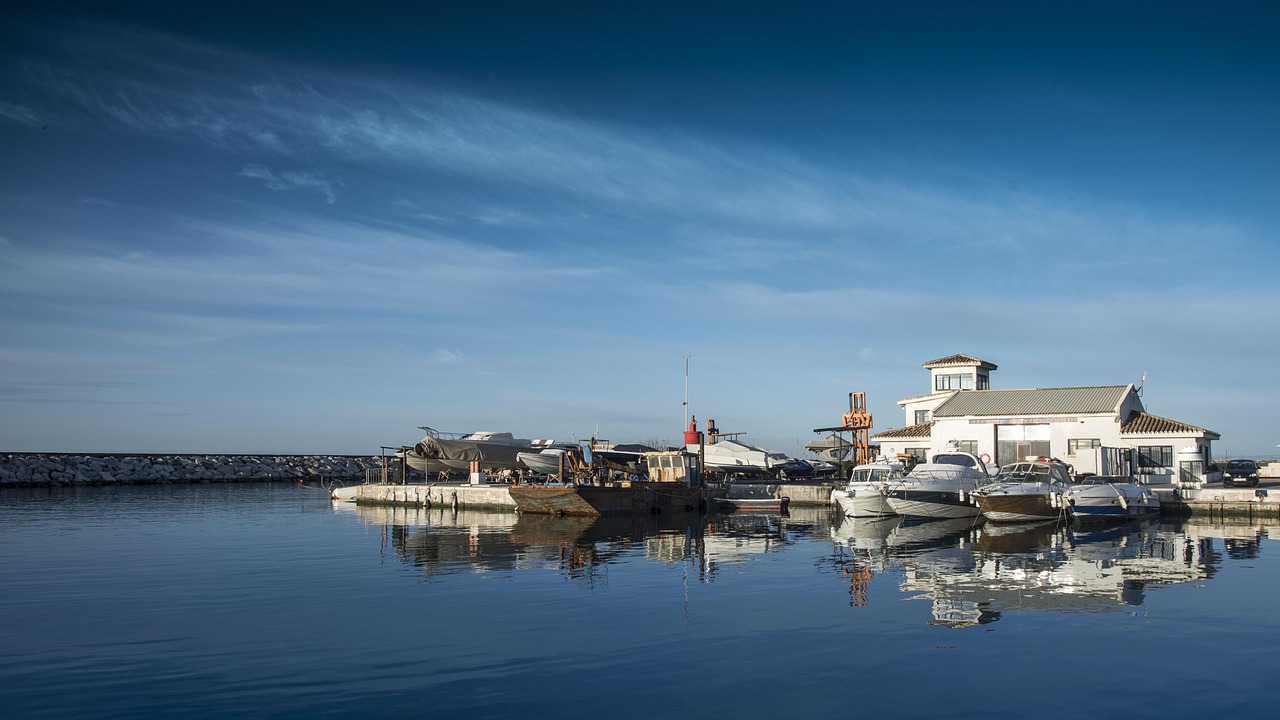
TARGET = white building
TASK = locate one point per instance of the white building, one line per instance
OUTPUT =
(1102, 429)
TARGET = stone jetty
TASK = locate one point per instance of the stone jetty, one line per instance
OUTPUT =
(52, 469)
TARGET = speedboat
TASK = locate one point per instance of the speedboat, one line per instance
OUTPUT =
(940, 488)
(864, 495)
(1101, 497)
(1026, 491)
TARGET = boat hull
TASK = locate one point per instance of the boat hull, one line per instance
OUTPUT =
(589, 500)
(862, 501)
(1085, 511)
(1025, 507)
(931, 504)
(545, 463)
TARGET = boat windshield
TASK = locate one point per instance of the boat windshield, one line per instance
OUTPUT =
(871, 475)
(1105, 480)
(1030, 473)
(955, 459)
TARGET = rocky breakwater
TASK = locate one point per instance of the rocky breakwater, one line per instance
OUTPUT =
(43, 469)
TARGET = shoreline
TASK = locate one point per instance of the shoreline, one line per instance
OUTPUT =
(97, 469)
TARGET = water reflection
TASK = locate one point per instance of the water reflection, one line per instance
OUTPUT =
(442, 541)
(971, 573)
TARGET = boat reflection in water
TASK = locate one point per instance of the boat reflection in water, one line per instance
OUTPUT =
(973, 573)
(441, 541)
(969, 572)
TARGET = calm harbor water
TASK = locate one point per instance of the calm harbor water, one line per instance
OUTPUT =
(268, 601)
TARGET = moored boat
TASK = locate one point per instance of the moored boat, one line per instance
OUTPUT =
(864, 496)
(1102, 497)
(673, 486)
(940, 488)
(1026, 492)
(624, 498)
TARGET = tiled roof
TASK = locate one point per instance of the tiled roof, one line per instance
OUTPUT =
(959, 360)
(1034, 401)
(1145, 423)
(922, 430)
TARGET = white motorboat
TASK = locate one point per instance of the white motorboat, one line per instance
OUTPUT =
(736, 457)
(549, 461)
(1026, 491)
(864, 496)
(1102, 497)
(940, 488)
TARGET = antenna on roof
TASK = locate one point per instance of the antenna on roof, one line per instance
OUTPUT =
(1142, 382)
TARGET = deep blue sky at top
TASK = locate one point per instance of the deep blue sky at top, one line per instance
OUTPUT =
(1023, 87)
(524, 215)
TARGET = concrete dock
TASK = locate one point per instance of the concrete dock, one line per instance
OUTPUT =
(427, 495)
(1212, 501)
(496, 495)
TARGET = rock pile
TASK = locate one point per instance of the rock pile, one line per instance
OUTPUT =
(39, 469)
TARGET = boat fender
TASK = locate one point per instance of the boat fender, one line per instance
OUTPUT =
(961, 496)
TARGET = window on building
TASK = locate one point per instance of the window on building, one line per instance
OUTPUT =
(984, 382)
(959, 381)
(1152, 458)
(1076, 444)
(919, 453)
(922, 417)
(969, 446)
(1015, 443)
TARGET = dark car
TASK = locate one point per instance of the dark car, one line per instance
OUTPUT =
(1240, 472)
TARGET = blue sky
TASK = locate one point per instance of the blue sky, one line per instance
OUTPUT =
(262, 228)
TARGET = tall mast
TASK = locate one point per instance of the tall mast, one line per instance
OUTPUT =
(686, 391)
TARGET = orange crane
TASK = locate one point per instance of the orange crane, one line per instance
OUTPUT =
(857, 421)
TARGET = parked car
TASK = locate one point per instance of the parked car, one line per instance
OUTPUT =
(1240, 472)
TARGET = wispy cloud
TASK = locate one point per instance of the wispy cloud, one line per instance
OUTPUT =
(453, 223)
(751, 201)
(18, 113)
(292, 180)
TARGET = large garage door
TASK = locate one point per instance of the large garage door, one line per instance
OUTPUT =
(1017, 442)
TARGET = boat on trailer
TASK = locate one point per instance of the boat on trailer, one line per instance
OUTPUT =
(447, 452)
